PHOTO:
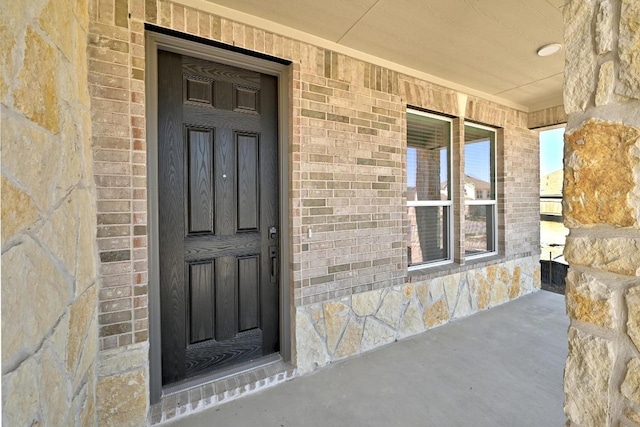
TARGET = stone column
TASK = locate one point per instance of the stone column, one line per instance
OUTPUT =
(49, 255)
(602, 209)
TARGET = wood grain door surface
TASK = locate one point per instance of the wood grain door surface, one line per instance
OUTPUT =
(218, 209)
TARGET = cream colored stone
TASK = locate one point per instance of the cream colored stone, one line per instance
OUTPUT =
(499, 293)
(589, 299)
(436, 289)
(422, 292)
(632, 298)
(537, 277)
(514, 286)
(88, 356)
(473, 289)
(8, 42)
(435, 314)
(579, 57)
(82, 311)
(598, 174)
(616, 254)
(631, 385)
(71, 152)
(463, 307)
(375, 334)
(123, 359)
(632, 414)
(484, 291)
(412, 322)
(604, 28)
(18, 210)
(54, 391)
(20, 394)
(350, 342)
(451, 286)
(30, 155)
(491, 273)
(26, 273)
(57, 342)
(60, 233)
(36, 95)
(390, 310)
(503, 275)
(408, 290)
(122, 399)
(336, 315)
(606, 82)
(81, 66)
(366, 303)
(629, 50)
(87, 253)
(57, 19)
(587, 378)
(311, 351)
(85, 406)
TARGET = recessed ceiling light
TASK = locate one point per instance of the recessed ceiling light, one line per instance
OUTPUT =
(549, 49)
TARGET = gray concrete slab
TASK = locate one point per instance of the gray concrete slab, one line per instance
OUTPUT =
(501, 367)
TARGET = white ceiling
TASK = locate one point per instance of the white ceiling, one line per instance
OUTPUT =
(486, 45)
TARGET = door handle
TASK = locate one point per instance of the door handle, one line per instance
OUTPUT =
(273, 255)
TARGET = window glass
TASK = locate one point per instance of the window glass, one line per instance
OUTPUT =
(428, 143)
(479, 190)
(428, 190)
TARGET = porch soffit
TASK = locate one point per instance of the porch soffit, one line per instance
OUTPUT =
(486, 48)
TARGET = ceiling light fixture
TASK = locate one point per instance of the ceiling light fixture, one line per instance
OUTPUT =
(549, 49)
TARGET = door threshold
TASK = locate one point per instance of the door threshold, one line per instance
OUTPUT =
(208, 390)
(219, 374)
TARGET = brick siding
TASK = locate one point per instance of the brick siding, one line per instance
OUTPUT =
(347, 157)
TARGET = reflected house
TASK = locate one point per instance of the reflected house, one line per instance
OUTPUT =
(474, 189)
(475, 224)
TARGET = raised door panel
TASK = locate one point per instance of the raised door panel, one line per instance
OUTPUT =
(248, 186)
(201, 302)
(248, 293)
(200, 181)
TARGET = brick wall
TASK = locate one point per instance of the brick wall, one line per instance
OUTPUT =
(347, 161)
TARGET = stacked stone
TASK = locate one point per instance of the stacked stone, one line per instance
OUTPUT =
(602, 208)
(49, 290)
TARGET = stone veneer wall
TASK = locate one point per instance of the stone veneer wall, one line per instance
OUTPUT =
(347, 184)
(602, 209)
(351, 325)
(49, 258)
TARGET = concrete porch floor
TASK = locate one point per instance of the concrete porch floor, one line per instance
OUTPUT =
(501, 367)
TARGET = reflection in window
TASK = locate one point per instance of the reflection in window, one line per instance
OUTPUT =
(479, 190)
(428, 190)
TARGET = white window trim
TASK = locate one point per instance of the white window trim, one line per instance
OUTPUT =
(494, 201)
(437, 203)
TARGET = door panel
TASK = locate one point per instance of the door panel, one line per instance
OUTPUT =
(218, 201)
(200, 172)
(248, 209)
(201, 299)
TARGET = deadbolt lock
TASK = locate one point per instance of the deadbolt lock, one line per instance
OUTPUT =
(273, 232)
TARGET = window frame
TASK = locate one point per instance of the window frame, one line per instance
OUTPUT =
(447, 205)
(484, 202)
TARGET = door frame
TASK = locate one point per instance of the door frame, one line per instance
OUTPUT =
(157, 38)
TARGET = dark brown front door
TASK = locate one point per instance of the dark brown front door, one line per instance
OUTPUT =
(218, 213)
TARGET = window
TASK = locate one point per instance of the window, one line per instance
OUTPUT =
(431, 175)
(479, 190)
(429, 202)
